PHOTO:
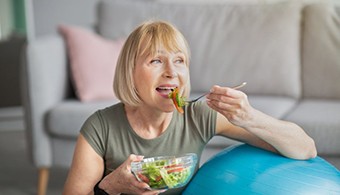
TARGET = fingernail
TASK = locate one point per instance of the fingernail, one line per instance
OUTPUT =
(161, 191)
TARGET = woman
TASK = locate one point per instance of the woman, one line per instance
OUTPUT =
(154, 61)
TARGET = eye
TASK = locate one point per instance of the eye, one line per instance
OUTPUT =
(155, 61)
(179, 61)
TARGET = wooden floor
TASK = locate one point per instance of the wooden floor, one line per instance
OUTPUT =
(19, 177)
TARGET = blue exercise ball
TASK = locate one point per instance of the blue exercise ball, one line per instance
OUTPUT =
(244, 169)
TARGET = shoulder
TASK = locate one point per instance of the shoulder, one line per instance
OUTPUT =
(108, 113)
(103, 116)
(98, 126)
(114, 109)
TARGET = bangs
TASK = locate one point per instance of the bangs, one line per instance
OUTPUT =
(161, 35)
(146, 40)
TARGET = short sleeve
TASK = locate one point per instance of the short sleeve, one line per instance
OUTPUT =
(94, 133)
(203, 118)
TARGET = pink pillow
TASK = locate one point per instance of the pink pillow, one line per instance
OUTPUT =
(93, 61)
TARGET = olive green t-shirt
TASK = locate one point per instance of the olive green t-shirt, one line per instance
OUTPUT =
(109, 133)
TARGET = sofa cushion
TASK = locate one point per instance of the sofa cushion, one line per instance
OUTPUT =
(320, 120)
(274, 106)
(93, 60)
(321, 51)
(66, 118)
(277, 107)
(230, 43)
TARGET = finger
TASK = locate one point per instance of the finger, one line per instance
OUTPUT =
(162, 191)
(135, 158)
(141, 185)
(227, 91)
(226, 108)
(140, 191)
(220, 107)
(222, 98)
(154, 192)
(231, 114)
(132, 158)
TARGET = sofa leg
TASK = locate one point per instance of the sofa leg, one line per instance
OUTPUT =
(43, 180)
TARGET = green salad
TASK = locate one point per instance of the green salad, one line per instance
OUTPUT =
(160, 175)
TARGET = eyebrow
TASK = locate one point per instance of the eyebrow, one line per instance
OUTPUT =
(163, 52)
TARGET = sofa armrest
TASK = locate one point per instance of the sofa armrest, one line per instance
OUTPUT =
(45, 82)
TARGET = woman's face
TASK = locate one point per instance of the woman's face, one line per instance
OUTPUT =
(155, 76)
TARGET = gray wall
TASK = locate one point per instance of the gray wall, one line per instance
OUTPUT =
(47, 14)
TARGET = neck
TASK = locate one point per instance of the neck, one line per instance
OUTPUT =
(147, 123)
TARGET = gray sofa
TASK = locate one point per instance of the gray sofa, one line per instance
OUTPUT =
(287, 51)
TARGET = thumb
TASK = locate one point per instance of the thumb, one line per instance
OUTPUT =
(134, 158)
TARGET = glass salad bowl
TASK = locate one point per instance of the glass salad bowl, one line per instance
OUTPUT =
(165, 171)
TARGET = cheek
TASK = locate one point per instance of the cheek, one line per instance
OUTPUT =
(184, 74)
(140, 74)
(142, 79)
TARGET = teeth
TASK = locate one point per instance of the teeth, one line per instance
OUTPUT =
(166, 88)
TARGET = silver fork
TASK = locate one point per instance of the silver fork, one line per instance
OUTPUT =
(235, 87)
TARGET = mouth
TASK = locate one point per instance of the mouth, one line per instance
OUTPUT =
(164, 91)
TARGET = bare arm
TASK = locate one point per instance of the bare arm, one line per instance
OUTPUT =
(86, 170)
(238, 120)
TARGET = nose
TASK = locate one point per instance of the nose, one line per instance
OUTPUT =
(169, 70)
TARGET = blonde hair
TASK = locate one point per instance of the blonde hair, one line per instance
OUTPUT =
(153, 35)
